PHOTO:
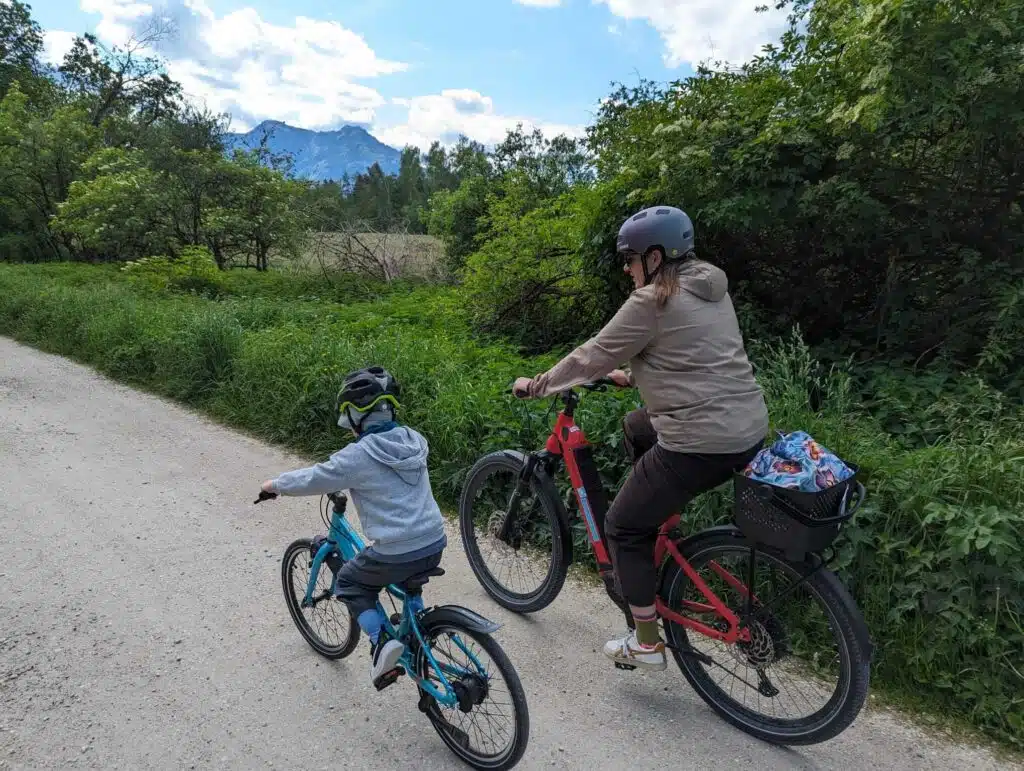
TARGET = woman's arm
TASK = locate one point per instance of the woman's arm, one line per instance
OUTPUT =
(622, 338)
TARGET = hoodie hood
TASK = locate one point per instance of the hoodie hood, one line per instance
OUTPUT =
(703, 280)
(401, 449)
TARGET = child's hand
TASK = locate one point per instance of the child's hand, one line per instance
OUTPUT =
(268, 486)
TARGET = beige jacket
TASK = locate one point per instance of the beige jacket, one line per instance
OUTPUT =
(687, 359)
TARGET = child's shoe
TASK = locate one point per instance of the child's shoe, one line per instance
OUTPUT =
(384, 658)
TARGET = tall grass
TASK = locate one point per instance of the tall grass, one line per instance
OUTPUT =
(935, 557)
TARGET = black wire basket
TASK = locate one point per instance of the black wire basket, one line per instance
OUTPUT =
(794, 521)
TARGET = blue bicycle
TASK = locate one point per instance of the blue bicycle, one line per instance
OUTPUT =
(468, 688)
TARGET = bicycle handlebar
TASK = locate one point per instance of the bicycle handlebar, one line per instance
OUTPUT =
(601, 384)
(265, 496)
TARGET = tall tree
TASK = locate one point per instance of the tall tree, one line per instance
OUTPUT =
(21, 42)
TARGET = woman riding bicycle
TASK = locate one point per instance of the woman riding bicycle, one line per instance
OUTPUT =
(705, 414)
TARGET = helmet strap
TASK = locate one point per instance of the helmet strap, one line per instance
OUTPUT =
(650, 274)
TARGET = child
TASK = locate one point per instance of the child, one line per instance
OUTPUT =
(385, 471)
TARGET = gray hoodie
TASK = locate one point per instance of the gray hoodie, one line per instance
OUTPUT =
(687, 359)
(386, 476)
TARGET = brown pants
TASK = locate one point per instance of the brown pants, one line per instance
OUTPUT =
(660, 484)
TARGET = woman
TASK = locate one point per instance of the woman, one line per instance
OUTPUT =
(705, 415)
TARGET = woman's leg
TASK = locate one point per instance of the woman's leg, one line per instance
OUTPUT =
(638, 435)
(661, 483)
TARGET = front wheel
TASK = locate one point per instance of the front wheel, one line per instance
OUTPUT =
(802, 677)
(490, 726)
(327, 626)
(524, 572)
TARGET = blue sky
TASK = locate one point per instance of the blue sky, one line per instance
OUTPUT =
(417, 70)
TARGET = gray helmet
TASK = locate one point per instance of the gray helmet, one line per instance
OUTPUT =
(665, 227)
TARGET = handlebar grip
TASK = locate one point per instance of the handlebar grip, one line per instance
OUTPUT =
(265, 496)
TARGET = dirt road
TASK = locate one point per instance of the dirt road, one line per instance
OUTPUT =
(142, 623)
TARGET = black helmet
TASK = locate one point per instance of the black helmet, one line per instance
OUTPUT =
(362, 391)
(665, 227)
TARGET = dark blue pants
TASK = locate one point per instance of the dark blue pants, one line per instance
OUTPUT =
(362, 577)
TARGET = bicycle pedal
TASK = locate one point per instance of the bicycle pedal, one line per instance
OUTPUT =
(388, 678)
(627, 667)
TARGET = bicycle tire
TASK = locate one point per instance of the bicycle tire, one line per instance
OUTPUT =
(561, 539)
(512, 755)
(295, 551)
(846, 623)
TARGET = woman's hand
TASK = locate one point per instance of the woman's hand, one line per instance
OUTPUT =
(620, 378)
(521, 387)
(268, 486)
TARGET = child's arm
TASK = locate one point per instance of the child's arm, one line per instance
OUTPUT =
(336, 473)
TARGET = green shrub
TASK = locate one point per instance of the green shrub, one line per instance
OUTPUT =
(194, 267)
(935, 557)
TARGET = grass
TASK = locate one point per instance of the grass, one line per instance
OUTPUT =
(391, 255)
(935, 558)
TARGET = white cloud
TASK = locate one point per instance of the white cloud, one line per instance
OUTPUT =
(697, 30)
(307, 74)
(117, 18)
(457, 111)
(541, 3)
(56, 43)
(304, 74)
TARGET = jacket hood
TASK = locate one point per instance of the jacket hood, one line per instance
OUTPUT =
(703, 280)
(400, 449)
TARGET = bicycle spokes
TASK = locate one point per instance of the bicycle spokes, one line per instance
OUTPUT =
(785, 664)
(481, 718)
(327, 619)
(514, 536)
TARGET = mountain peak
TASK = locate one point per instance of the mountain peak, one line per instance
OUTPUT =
(321, 155)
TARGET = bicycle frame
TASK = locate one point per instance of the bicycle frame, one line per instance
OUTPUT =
(343, 538)
(569, 443)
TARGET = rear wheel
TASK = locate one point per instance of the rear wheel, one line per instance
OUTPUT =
(526, 572)
(490, 727)
(327, 626)
(802, 678)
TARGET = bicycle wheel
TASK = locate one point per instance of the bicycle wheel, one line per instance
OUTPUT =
(327, 626)
(810, 649)
(490, 727)
(527, 573)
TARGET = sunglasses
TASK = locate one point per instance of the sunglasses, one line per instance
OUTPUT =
(627, 257)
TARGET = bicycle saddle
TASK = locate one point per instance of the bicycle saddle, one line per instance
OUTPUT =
(414, 582)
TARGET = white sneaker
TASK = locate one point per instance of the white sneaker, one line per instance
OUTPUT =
(627, 650)
(385, 658)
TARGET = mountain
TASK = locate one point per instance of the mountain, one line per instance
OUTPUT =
(321, 155)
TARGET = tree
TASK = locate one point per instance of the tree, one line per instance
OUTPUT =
(527, 281)
(116, 212)
(863, 177)
(21, 42)
(260, 213)
(40, 155)
(121, 81)
(411, 189)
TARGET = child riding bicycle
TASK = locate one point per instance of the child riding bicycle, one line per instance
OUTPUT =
(385, 471)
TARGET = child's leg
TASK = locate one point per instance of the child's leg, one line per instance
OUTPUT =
(361, 579)
(359, 583)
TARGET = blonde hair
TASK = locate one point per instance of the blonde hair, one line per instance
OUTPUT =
(666, 283)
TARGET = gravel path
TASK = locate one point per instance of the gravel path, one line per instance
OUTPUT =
(142, 623)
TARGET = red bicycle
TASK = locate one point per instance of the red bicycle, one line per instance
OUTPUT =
(747, 608)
